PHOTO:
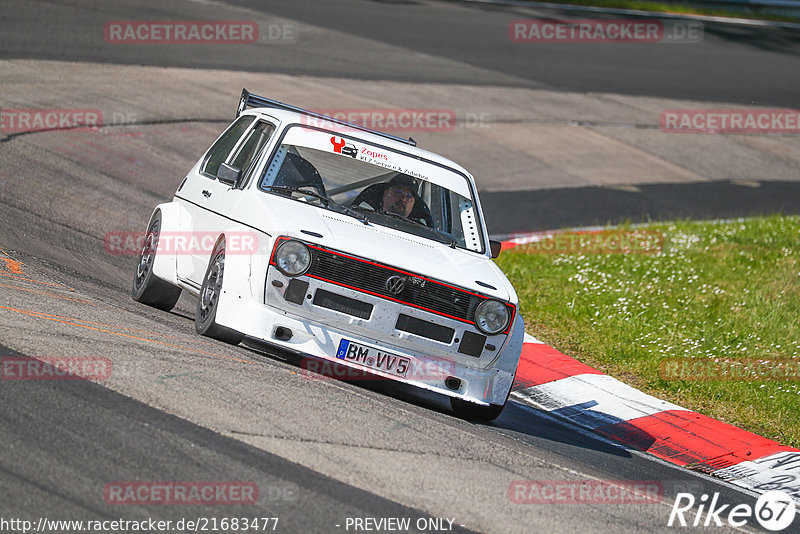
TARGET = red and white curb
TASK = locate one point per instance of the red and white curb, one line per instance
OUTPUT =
(568, 389)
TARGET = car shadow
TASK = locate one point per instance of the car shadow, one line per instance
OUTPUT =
(519, 419)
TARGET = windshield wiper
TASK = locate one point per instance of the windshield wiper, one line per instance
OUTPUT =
(443, 237)
(401, 217)
(328, 200)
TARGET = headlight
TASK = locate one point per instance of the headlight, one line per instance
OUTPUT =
(292, 258)
(491, 317)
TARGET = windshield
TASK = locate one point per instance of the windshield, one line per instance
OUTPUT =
(375, 185)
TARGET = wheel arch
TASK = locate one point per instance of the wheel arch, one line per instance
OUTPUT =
(236, 282)
(166, 262)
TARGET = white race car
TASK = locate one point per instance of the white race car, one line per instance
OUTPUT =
(339, 243)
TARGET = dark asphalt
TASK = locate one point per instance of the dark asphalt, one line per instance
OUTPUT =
(548, 209)
(737, 64)
(62, 441)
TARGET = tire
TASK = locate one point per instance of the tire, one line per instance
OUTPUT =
(475, 412)
(146, 288)
(206, 311)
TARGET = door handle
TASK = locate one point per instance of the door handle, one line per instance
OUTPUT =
(206, 193)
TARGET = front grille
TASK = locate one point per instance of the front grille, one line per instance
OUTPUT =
(342, 304)
(426, 329)
(372, 277)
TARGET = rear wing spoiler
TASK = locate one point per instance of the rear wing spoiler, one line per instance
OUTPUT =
(250, 100)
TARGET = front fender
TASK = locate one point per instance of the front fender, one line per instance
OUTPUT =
(244, 278)
(166, 261)
(509, 358)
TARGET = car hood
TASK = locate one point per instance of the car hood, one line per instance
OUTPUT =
(405, 251)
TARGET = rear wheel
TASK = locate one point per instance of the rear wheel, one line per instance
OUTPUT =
(475, 412)
(208, 300)
(146, 288)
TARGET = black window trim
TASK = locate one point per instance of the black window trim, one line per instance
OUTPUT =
(203, 165)
(255, 163)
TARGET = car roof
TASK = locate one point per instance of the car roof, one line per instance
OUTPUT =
(289, 117)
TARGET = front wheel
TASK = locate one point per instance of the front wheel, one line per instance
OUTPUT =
(146, 288)
(475, 412)
(208, 300)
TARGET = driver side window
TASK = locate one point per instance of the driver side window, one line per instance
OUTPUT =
(248, 153)
(224, 145)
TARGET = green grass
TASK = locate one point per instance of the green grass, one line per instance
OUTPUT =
(682, 9)
(716, 290)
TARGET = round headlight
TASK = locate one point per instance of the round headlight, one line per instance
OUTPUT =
(491, 317)
(293, 258)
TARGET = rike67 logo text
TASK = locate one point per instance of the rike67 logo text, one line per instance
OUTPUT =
(774, 511)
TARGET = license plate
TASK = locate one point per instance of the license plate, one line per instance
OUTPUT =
(373, 358)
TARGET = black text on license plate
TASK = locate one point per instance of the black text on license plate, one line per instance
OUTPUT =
(373, 358)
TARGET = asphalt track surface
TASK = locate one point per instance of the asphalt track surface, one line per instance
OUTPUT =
(748, 65)
(183, 408)
(596, 206)
(438, 41)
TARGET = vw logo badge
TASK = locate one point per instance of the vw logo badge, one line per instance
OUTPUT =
(395, 284)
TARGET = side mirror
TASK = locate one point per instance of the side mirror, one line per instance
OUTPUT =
(495, 247)
(229, 175)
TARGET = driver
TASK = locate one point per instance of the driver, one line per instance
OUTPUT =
(398, 196)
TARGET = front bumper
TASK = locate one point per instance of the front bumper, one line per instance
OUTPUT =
(259, 321)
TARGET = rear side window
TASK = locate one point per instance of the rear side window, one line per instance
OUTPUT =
(225, 144)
